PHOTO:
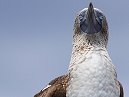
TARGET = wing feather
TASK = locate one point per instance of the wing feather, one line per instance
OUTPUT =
(57, 88)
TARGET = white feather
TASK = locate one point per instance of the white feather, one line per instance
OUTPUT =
(46, 87)
(93, 75)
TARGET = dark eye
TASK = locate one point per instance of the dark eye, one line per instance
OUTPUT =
(99, 17)
(80, 17)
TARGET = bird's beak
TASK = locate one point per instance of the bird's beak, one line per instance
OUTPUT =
(90, 14)
(91, 25)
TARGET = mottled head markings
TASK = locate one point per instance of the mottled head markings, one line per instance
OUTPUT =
(91, 27)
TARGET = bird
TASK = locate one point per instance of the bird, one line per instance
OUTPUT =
(91, 72)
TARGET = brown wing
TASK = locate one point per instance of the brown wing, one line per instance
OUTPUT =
(57, 88)
(121, 90)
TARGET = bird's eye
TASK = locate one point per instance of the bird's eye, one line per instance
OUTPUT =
(101, 17)
(80, 17)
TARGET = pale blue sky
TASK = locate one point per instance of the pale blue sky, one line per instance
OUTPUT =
(36, 41)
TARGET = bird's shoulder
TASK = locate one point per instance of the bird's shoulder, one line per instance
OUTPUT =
(56, 88)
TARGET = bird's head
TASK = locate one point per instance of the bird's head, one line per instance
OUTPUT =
(91, 27)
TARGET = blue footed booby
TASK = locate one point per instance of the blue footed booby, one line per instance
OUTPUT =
(91, 72)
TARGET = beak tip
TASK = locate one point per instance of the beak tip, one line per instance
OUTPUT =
(90, 8)
(90, 5)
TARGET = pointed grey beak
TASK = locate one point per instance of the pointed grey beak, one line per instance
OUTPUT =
(90, 24)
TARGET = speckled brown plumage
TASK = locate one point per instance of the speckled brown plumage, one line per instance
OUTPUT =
(57, 88)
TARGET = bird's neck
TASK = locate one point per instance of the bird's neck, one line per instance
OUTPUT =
(90, 65)
(84, 50)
